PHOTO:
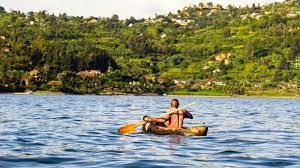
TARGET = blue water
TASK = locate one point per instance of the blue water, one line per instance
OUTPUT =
(81, 131)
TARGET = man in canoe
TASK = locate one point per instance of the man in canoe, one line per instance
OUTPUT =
(174, 120)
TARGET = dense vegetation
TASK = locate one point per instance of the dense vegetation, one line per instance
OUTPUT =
(201, 48)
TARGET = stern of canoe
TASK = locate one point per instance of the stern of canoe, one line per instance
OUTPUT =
(193, 131)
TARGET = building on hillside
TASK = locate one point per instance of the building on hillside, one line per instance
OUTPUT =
(6, 49)
(213, 82)
(37, 76)
(2, 37)
(216, 70)
(183, 22)
(255, 16)
(200, 85)
(89, 73)
(34, 73)
(163, 36)
(206, 6)
(244, 17)
(130, 25)
(205, 67)
(258, 17)
(256, 85)
(214, 11)
(291, 15)
(160, 80)
(223, 57)
(293, 86)
(93, 20)
(181, 82)
(267, 13)
(252, 16)
(289, 86)
(150, 20)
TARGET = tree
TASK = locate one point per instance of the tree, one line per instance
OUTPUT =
(115, 18)
(295, 48)
(2, 9)
(253, 8)
(63, 17)
(101, 60)
(264, 50)
(227, 32)
(131, 20)
(140, 44)
(249, 50)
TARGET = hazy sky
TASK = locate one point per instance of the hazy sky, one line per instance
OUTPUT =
(106, 8)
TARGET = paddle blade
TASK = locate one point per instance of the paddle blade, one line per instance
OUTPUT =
(127, 129)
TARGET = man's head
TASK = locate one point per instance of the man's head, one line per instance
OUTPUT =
(174, 103)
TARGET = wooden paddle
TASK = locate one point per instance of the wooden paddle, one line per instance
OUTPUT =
(131, 128)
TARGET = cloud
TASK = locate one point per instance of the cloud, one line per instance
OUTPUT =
(106, 8)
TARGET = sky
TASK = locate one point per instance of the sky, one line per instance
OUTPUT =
(106, 8)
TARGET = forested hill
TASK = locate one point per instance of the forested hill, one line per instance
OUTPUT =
(205, 47)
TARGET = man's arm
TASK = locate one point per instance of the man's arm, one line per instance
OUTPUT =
(160, 119)
(188, 114)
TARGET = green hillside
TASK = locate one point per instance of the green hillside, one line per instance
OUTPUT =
(204, 49)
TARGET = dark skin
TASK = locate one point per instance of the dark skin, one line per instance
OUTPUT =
(174, 104)
(181, 115)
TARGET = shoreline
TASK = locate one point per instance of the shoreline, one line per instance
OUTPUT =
(153, 94)
(238, 96)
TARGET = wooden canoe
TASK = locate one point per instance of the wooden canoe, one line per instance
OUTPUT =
(192, 131)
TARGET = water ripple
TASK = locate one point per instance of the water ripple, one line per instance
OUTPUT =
(80, 131)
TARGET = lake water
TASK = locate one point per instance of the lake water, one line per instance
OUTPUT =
(81, 131)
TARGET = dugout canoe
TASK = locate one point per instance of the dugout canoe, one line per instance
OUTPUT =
(192, 131)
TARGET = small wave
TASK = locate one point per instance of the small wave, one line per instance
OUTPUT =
(81, 131)
(93, 132)
(229, 152)
(150, 163)
(50, 110)
(60, 118)
(22, 140)
(253, 113)
(242, 141)
(29, 142)
(274, 162)
(72, 150)
(43, 160)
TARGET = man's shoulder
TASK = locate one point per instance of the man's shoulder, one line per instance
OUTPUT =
(182, 111)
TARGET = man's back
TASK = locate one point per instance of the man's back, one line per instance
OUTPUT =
(176, 120)
(172, 120)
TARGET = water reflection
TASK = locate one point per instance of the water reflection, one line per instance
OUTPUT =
(175, 139)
